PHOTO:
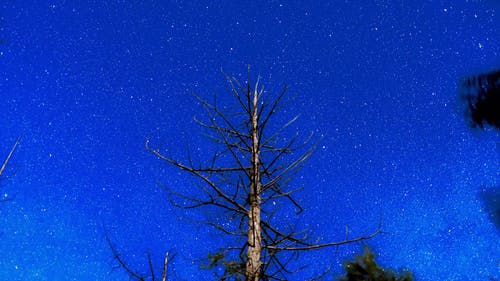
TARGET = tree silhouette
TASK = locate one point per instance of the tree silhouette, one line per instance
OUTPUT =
(364, 268)
(491, 202)
(482, 94)
(247, 178)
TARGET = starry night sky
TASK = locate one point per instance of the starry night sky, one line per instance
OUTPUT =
(86, 82)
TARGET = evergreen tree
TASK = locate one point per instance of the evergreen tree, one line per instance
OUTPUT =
(364, 268)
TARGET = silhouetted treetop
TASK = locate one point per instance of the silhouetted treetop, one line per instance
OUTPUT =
(364, 268)
(482, 94)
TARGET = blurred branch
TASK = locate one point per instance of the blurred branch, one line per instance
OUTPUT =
(6, 161)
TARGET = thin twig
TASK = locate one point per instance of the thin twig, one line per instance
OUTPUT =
(10, 155)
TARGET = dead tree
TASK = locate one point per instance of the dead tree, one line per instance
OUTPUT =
(248, 176)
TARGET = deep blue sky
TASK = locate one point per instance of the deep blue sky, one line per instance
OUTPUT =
(85, 82)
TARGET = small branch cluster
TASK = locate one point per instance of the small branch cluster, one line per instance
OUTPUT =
(133, 273)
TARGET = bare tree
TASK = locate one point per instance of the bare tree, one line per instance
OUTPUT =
(248, 177)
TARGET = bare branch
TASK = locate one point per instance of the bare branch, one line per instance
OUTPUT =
(4, 165)
(332, 244)
(122, 263)
(279, 131)
(196, 173)
(271, 112)
(165, 267)
(232, 81)
(151, 267)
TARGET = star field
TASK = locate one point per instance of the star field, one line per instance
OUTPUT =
(86, 83)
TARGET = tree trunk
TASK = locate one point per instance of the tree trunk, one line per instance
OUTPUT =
(253, 265)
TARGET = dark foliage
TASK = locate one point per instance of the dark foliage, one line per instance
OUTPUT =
(223, 268)
(482, 94)
(491, 201)
(364, 268)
